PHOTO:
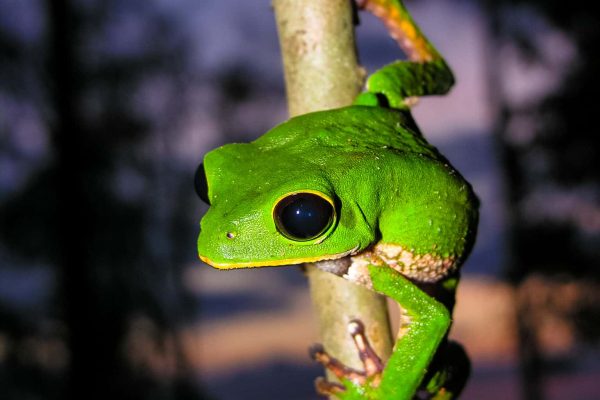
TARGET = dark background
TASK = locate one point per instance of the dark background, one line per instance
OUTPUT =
(106, 108)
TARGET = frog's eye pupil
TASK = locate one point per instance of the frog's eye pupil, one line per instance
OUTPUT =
(303, 216)
(201, 185)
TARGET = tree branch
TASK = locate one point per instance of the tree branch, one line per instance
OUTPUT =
(321, 72)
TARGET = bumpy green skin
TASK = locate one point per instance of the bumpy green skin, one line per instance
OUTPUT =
(390, 184)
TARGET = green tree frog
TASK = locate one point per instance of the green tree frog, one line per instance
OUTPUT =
(360, 192)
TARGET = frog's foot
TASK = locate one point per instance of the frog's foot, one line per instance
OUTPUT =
(370, 375)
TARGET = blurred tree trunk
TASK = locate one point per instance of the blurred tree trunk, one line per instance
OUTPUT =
(65, 132)
(528, 348)
(93, 336)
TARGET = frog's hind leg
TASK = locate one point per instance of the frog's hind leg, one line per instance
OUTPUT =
(400, 83)
(402, 28)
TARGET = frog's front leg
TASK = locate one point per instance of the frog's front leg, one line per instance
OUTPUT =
(427, 324)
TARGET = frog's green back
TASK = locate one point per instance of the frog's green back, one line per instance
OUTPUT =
(350, 129)
(387, 181)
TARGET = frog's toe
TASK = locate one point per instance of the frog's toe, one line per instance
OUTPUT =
(372, 365)
(326, 388)
(334, 365)
(371, 361)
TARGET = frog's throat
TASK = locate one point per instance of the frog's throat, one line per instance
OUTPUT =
(276, 263)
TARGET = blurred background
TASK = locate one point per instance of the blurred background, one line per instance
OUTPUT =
(106, 109)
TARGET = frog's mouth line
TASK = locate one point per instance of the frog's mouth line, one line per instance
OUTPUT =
(277, 263)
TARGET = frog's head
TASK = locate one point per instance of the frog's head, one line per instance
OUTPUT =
(279, 201)
(268, 209)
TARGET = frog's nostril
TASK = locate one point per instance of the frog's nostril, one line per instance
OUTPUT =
(230, 235)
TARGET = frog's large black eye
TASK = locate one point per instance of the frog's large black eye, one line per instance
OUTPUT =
(303, 216)
(200, 184)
